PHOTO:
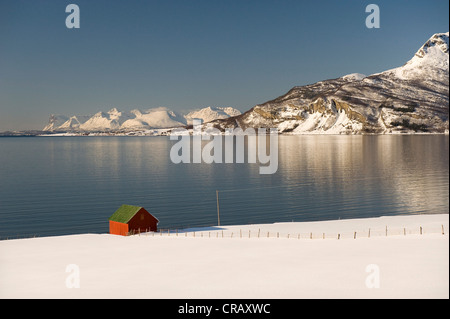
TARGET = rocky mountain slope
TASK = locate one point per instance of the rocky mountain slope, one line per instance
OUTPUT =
(407, 99)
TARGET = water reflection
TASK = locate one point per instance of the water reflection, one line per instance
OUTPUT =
(391, 174)
(54, 186)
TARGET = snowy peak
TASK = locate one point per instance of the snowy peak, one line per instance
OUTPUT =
(74, 122)
(430, 62)
(438, 41)
(100, 121)
(160, 117)
(55, 122)
(114, 114)
(209, 114)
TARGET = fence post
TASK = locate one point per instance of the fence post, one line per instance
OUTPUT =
(442, 228)
(386, 230)
(259, 230)
(310, 235)
(421, 230)
(369, 233)
(323, 235)
(339, 236)
(404, 231)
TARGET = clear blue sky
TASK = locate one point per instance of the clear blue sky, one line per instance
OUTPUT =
(186, 54)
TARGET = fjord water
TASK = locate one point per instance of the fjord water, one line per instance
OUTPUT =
(69, 185)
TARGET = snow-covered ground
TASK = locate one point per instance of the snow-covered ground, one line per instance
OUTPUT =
(253, 261)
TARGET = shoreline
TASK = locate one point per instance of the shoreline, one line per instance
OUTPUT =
(166, 132)
(377, 225)
(188, 266)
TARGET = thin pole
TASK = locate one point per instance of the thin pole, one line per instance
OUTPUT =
(218, 212)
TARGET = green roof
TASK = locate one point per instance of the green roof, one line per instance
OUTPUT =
(124, 213)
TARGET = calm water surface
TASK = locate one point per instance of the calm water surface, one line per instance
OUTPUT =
(69, 185)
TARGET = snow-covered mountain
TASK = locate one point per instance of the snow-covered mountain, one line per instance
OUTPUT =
(115, 120)
(209, 114)
(410, 98)
(55, 122)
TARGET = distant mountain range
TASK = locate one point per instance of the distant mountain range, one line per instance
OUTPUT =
(408, 99)
(411, 98)
(115, 120)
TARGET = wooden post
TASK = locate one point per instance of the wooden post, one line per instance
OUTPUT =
(421, 230)
(240, 233)
(259, 230)
(267, 234)
(218, 213)
(222, 233)
(310, 235)
(369, 232)
(386, 230)
(442, 228)
(249, 233)
(278, 235)
(354, 235)
(404, 231)
(339, 236)
(288, 236)
(323, 235)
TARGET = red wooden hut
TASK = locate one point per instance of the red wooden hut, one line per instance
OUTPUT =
(131, 219)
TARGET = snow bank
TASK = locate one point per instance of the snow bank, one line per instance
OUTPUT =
(200, 263)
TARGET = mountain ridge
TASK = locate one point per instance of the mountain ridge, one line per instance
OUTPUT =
(136, 119)
(407, 99)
